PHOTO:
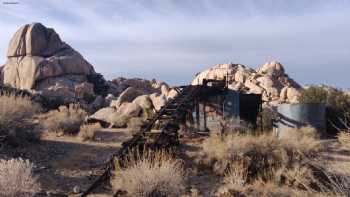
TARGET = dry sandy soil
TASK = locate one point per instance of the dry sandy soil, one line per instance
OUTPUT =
(65, 162)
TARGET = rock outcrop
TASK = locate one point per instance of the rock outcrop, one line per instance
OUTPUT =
(37, 59)
(137, 98)
(270, 80)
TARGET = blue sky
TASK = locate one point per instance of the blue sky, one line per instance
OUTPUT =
(171, 40)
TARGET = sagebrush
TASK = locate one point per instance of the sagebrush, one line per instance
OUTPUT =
(17, 125)
(66, 120)
(88, 131)
(265, 165)
(150, 174)
(17, 179)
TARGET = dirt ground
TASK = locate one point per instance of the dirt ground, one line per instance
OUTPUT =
(62, 163)
(65, 162)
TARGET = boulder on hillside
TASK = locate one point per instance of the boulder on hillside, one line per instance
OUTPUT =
(127, 95)
(143, 85)
(144, 101)
(158, 100)
(37, 59)
(116, 117)
(270, 80)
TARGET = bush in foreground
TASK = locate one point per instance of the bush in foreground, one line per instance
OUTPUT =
(16, 119)
(261, 154)
(298, 182)
(152, 174)
(88, 131)
(66, 120)
(344, 139)
(16, 178)
(263, 165)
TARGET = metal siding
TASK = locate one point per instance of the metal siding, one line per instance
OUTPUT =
(298, 115)
(231, 104)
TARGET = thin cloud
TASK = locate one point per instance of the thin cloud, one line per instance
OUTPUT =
(173, 40)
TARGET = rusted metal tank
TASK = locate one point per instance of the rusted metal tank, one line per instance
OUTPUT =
(299, 115)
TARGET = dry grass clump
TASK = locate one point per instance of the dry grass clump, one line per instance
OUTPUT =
(264, 165)
(150, 174)
(262, 154)
(297, 182)
(88, 131)
(16, 119)
(66, 120)
(344, 139)
(16, 178)
(300, 144)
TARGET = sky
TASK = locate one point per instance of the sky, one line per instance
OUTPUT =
(172, 40)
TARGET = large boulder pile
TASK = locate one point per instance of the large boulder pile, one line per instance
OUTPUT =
(270, 80)
(38, 60)
(138, 98)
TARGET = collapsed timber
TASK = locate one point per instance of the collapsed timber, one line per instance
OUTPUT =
(173, 112)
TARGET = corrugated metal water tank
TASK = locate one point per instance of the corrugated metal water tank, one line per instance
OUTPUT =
(299, 115)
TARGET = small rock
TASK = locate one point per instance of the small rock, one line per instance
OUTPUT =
(76, 189)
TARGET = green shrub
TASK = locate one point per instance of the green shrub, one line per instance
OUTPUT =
(100, 84)
(337, 104)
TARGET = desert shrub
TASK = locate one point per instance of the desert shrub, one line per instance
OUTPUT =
(89, 98)
(100, 84)
(337, 104)
(17, 179)
(88, 131)
(344, 139)
(338, 183)
(16, 119)
(262, 154)
(298, 182)
(301, 144)
(313, 94)
(65, 119)
(150, 174)
(135, 124)
(260, 188)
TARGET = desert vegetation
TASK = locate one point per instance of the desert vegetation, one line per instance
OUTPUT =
(88, 131)
(64, 120)
(150, 174)
(336, 101)
(16, 119)
(344, 134)
(263, 165)
(17, 179)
